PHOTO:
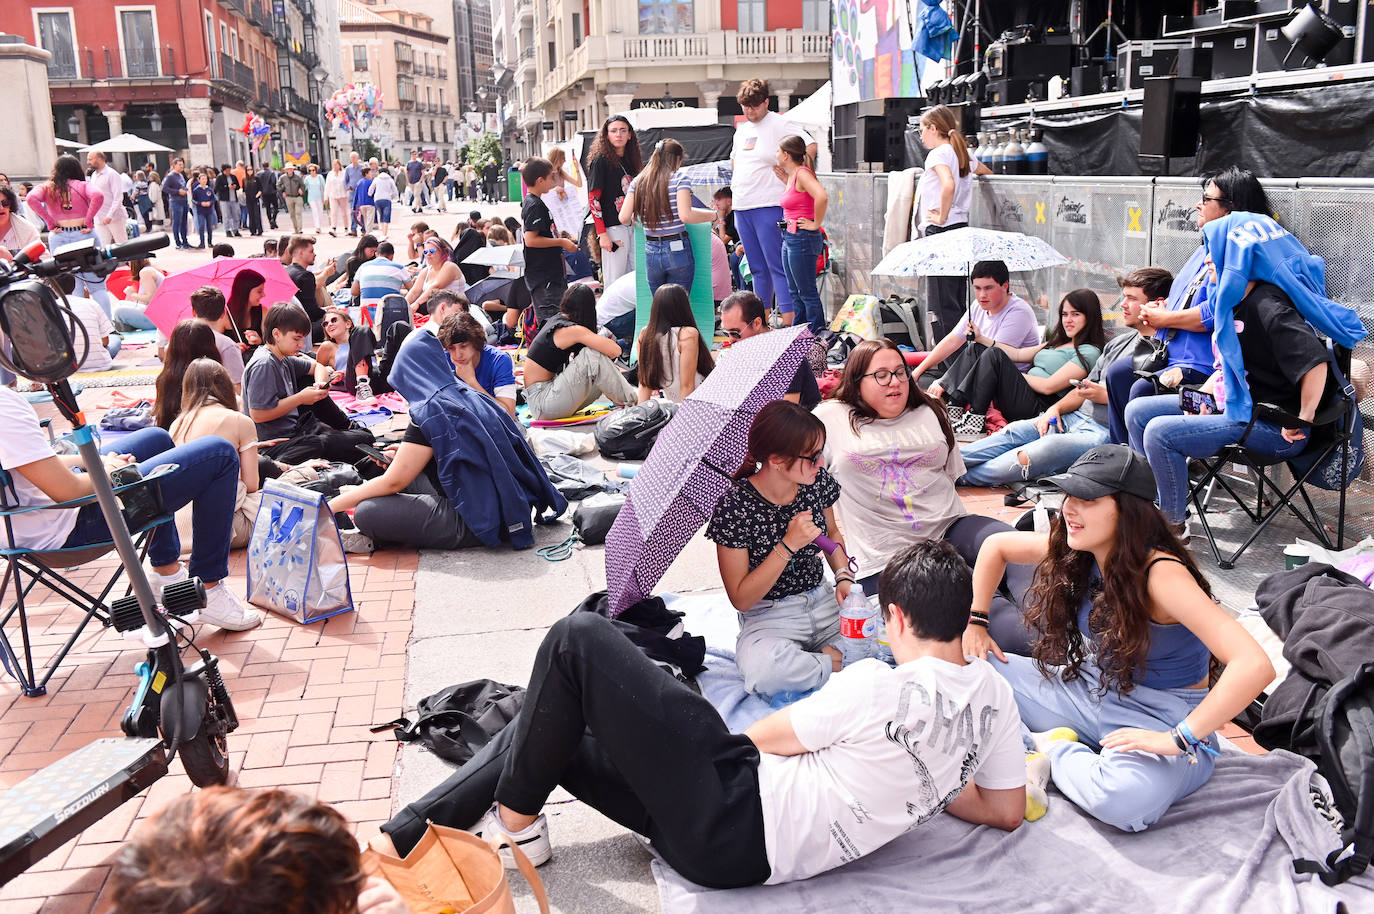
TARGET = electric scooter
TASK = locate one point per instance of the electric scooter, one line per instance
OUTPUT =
(177, 709)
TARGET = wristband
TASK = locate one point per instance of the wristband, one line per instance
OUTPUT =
(785, 548)
(981, 623)
(1179, 741)
(980, 616)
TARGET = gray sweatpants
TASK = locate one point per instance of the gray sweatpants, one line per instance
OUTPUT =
(588, 376)
(419, 515)
(779, 644)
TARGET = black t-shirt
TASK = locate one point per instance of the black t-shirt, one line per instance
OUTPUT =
(804, 383)
(469, 241)
(611, 180)
(1277, 345)
(545, 353)
(440, 174)
(305, 290)
(416, 435)
(744, 519)
(541, 264)
(730, 231)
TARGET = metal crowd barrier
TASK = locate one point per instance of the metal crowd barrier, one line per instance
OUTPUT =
(1110, 226)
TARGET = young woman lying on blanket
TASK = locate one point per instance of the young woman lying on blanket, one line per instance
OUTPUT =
(1117, 684)
(833, 777)
(764, 529)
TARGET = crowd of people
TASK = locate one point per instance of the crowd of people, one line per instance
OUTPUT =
(1089, 655)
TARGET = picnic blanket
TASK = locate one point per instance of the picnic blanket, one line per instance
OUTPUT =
(1228, 847)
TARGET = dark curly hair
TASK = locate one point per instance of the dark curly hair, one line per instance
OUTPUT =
(224, 851)
(1120, 614)
(633, 159)
(860, 414)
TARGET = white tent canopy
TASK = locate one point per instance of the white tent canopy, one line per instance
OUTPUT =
(68, 144)
(126, 142)
(814, 112)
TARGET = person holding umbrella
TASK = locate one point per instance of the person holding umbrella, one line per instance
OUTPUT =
(765, 530)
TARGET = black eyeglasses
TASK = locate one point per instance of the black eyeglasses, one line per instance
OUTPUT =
(885, 377)
(1207, 199)
(815, 458)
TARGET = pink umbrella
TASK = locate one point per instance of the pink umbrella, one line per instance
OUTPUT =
(172, 301)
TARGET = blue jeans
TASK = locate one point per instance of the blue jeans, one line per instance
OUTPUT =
(1127, 790)
(1168, 437)
(383, 211)
(1123, 387)
(206, 478)
(94, 285)
(992, 461)
(205, 225)
(179, 212)
(762, 240)
(623, 326)
(663, 264)
(133, 316)
(799, 252)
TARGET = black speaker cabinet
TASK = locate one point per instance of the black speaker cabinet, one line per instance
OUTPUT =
(881, 130)
(1169, 118)
(1195, 62)
(1029, 61)
(1014, 91)
(1085, 80)
(1233, 52)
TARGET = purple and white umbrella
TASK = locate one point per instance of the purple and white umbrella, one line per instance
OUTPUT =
(689, 468)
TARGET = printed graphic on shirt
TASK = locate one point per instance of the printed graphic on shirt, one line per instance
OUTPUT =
(898, 477)
(951, 733)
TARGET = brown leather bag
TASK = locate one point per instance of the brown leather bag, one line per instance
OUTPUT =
(452, 872)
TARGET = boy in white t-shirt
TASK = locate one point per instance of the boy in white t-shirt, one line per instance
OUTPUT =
(874, 753)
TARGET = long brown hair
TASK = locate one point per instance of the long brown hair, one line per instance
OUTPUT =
(245, 281)
(65, 170)
(941, 118)
(860, 413)
(205, 383)
(652, 203)
(632, 160)
(190, 340)
(671, 308)
(1086, 303)
(781, 429)
(1120, 614)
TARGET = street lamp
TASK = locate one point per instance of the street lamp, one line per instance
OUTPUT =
(155, 122)
(73, 125)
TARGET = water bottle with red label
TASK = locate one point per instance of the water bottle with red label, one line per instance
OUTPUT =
(857, 626)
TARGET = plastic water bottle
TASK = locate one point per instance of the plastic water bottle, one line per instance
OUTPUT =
(856, 627)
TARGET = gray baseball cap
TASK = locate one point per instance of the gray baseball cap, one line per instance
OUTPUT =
(1105, 469)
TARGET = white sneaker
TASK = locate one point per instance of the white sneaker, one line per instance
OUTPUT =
(533, 840)
(223, 609)
(364, 389)
(159, 581)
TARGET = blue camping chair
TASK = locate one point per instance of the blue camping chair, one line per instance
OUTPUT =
(25, 568)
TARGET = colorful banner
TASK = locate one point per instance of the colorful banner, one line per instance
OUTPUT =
(872, 48)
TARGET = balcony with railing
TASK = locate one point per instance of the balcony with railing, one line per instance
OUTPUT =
(258, 14)
(104, 63)
(599, 52)
(443, 72)
(299, 106)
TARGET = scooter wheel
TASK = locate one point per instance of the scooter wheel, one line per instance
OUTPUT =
(184, 597)
(206, 756)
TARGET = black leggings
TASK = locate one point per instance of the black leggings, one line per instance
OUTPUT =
(642, 748)
(1007, 627)
(321, 431)
(996, 379)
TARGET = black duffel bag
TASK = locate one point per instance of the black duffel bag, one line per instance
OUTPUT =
(629, 433)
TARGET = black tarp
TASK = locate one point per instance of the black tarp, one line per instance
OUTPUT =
(1309, 132)
(709, 143)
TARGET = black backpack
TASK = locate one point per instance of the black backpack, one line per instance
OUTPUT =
(630, 433)
(1345, 740)
(457, 721)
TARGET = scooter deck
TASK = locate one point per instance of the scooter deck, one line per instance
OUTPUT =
(52, 806)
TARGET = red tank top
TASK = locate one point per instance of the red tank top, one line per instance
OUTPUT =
(798, 204)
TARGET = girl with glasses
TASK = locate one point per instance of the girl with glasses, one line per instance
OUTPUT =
(349, 350)
(764, 530)
(891, 449)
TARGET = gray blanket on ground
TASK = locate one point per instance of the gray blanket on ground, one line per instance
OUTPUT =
(1229, 847)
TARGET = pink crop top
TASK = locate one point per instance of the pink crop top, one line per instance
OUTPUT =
(798, 204)
(84, 203)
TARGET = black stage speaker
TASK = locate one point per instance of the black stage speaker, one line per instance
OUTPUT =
(881, 130)
(1085, 80)
(1169, 118)
(1014, 92)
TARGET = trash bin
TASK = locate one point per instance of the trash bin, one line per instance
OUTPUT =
(513, 186)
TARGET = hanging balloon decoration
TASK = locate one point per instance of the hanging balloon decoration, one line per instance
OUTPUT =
(353, 107)
(256, 129)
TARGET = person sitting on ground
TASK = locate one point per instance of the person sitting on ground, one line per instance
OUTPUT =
(207, 304)
(209, 407)
(742, 315)
(191, 339)
(674, 357)
(569, 365)
(379, 277)
(1027, 449)
(467, 238)
(222, 249)
(1069, 353)
(367, 248)
(1285, 365)
(145, 280)
(764, 529)
(482, 367)
(297, 416)
(1116, 689)
(348, 352)
(615, 310)
(227, 849)
(310, 285)
(205, 476)
(733, 809)
(438, 272)
(415, 239)
(498, 236)
(103, 344)
(890, 447)
(244, 308)
(1184, 319)
(999, 316)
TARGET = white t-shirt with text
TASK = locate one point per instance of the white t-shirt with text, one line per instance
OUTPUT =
(888, 750)
(753, 156)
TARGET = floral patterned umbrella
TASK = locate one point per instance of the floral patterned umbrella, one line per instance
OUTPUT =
(953, 253)
(690, 466)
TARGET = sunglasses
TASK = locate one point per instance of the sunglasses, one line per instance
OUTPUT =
(815, 459)
(332, 320)
(734, 334)
(431, 250)
(1207, 199)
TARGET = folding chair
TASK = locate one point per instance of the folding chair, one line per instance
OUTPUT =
(1332, 459)
(26, 568)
